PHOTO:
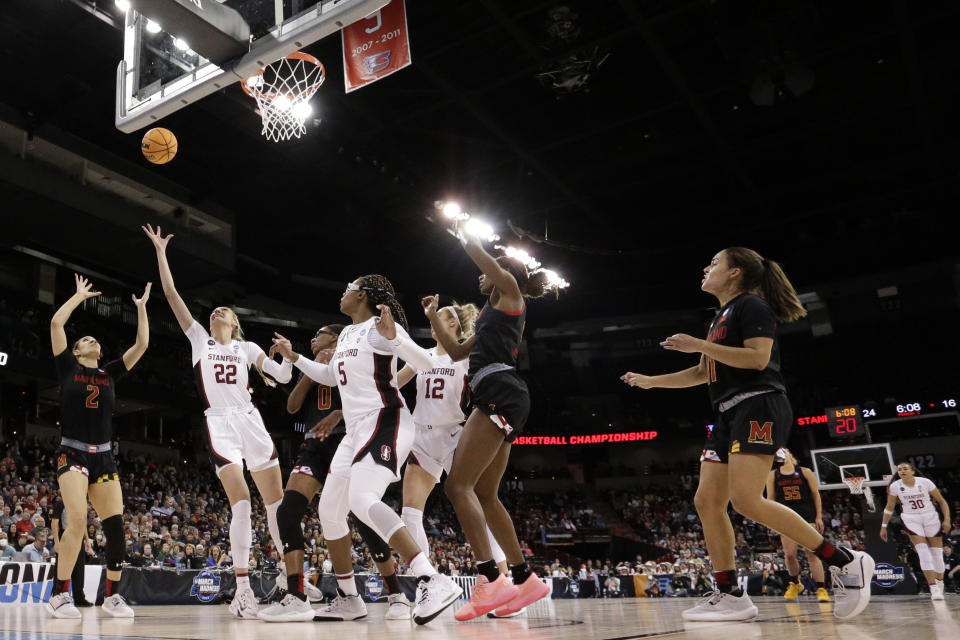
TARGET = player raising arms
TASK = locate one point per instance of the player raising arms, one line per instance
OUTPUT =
(916, 495)
(501, 406)
(740, 363)
(380, 433)
(796, 487)
(85, 463)
(323, 416)
(235, 430)
(443, 398)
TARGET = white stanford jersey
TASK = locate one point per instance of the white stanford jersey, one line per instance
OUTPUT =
(363, 368)
(915, 499)
(442, 391)
(222, 370)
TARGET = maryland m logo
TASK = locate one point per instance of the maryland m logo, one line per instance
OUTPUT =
(760, 434)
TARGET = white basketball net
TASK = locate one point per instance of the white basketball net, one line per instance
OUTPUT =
(855, 484)
(283, 91)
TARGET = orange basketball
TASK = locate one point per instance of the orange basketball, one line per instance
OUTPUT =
(159, 145)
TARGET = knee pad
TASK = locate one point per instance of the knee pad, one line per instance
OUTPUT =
(116, 545)
(926, 559)
(937, 556)
(332, 510)
(379, 550)
(241, 535)
(289, 516)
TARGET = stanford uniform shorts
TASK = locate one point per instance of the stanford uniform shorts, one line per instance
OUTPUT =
(315, 456)
(758, 424)
(98, 467)
(926, 524)
(382, 437)
(433, 448)
(238, 435)
(505, 398)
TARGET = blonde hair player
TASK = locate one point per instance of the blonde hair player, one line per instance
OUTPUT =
(796, 487)
(740, 363)
(86, 467)
(235, 430)
(443, 402)
(917, 496)
(379, 437)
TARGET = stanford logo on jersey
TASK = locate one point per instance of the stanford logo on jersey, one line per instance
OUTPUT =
(385, 453)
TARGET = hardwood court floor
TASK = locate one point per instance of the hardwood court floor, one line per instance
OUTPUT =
(887, 617)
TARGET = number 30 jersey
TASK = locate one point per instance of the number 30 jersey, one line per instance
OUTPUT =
(221, 370)
(915, 499)
(442, 392)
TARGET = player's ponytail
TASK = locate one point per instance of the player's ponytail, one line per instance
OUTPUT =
(767, 279)
(531, 285)
(467, 315)
(379, 290)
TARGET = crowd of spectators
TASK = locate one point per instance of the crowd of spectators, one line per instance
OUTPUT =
(177, 516)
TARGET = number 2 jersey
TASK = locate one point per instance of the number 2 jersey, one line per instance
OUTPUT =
(87, 396)
(915, 499)
(443, 398)
(221, 370)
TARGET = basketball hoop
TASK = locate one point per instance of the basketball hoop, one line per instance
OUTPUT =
(283, 91)
(857, 488)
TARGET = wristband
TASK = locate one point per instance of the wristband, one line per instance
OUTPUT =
(889, 513)
(883, 526)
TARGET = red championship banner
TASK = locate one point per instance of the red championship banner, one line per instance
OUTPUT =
(375, 46)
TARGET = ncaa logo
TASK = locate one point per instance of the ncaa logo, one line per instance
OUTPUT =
(211, 342)
(374, 588)
(385, 453)
(205, 586)
(377, 62)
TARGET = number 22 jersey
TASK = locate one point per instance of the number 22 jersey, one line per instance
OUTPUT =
(221, 370)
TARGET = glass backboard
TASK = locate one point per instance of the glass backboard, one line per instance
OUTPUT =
(162, 71)
(833, 464)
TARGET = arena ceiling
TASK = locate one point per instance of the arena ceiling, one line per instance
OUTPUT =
(636, 137)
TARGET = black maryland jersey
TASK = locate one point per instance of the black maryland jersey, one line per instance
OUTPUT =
(318, 404)
(87, 396)
(794, 491)
(746, 316)
(498, 337)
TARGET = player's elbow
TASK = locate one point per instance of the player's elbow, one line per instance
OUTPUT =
(761, 361)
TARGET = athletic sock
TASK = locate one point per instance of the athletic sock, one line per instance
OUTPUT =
(60, 586)
(726, 580)
(243, 582)
(519, 572)
(112, 586)
(295, 585)
(821, 585)
(833, 556)
(488, 569)
(392, 583)
(796, 578)
(421, 566)
(347, 584)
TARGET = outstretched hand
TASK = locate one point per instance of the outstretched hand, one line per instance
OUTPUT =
(637, 380)
(282, 346)
(142, 300)
(430, 304)
(385, 323)
(683, 343)
(84, 287)
(156, 237)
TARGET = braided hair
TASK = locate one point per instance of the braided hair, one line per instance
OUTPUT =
(380, 291)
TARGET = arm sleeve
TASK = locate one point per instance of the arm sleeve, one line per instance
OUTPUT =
(198, 337)
(280, 372)
(402, 346)
(756, 319)
(65, 361)
(316, 371)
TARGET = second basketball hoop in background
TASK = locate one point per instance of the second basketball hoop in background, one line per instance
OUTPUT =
(283, 90)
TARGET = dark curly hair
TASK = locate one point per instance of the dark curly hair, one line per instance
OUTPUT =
(532, 285)
(380, 291)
